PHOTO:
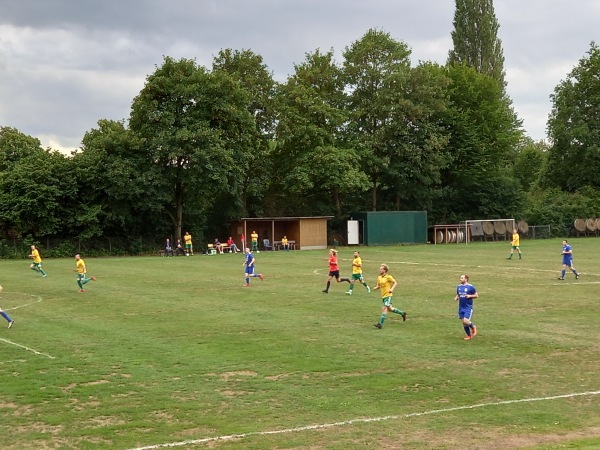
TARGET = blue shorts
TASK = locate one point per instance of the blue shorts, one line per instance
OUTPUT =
(249, 270)
(465, 313)
(568, 262)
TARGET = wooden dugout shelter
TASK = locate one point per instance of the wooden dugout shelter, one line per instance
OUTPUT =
(308, 233)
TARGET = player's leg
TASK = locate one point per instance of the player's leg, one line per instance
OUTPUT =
(397, 311)
(326, 290)
(349, 291)
(7, 317)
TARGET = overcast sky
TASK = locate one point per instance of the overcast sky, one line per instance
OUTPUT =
(65, 64)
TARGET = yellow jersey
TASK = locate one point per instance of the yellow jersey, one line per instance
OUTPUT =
(80, 266)
(357, 265)
(515, 240)
(385, 282)
(36, 256)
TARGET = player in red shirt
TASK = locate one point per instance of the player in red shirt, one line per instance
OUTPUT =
(334, 270)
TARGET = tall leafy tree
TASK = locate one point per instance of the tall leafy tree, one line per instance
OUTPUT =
(376, 73)
(395, 121)
(312, 166)
(530, 162)
(191, 121)
(574, 127)
(418, 140)
(475, 38)
(115, 175)
(15, 145)
(36, 187)
(483, 142)
(251, 73)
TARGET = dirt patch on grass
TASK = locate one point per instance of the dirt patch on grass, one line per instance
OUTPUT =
(226, 376)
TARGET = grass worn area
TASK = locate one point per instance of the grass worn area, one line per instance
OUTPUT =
(172, 350)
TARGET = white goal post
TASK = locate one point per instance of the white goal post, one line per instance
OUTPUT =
(490, 228)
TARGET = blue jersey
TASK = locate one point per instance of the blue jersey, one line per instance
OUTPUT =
(462, 290)
(249, 258)
(567, 257)
(249, 263)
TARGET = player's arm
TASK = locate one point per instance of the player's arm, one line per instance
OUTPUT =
(473, 294)
(392, 287)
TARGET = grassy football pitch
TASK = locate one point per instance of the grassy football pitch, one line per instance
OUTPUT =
(175, 353)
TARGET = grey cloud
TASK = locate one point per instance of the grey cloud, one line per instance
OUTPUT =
(66, 64)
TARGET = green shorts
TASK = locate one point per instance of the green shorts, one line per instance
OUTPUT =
(38, 265)
(357, 276)
(387, 301)
(515, 247)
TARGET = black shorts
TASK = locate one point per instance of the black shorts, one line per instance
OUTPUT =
(334, 273)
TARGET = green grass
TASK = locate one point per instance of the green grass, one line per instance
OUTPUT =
(164, 350)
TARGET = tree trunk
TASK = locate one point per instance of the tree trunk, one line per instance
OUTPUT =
(374, 196)
(178, 210)
(338, 202)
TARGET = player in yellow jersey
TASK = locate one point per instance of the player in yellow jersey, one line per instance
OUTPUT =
(82, 277)
(254, 241)
(357, 274)
(36, 265)
(189, 248)
(515, 244)
(386, 283)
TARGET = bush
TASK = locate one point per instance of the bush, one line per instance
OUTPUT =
(559, 209)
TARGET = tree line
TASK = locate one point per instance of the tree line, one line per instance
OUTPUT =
(204, 146)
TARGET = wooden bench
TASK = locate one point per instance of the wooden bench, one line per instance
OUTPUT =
(212, 250)
(277, 245)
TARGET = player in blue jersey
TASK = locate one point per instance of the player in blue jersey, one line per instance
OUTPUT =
(6, 316)
(567, 254)
(465, 293)
(249, 263)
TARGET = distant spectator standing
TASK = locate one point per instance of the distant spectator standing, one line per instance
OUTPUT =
(254, 241)
(168, 248)
(189, 248)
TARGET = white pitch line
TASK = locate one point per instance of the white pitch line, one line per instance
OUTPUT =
(364, 420)
(39, 299)
(27, 348)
